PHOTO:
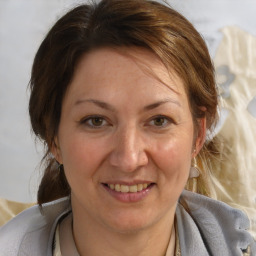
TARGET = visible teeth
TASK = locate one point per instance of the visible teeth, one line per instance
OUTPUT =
(133, 188)
(126, 188)
(139, 187)
(117, 187)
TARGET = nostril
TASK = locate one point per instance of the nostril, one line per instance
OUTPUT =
(128, 161)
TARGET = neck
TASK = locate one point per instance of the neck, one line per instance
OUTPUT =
(95, 239)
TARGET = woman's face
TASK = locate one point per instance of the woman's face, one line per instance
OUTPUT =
(125, 139)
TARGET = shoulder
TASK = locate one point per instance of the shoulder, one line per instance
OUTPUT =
(213, 226)
(21, 233)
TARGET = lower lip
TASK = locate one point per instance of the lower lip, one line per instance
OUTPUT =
(129, 197)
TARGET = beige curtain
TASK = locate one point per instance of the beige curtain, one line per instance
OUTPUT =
(8, 209)
(235, 63)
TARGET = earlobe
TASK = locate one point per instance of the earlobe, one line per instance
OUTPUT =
(55, 150)
(200, 136)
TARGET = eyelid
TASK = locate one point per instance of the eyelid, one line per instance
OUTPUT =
(169, 120)
(84, 121)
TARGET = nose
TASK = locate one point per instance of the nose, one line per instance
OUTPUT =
(129, 152)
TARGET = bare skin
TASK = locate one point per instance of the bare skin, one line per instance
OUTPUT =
(123, 127)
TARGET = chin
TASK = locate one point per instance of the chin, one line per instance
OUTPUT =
(130, 223)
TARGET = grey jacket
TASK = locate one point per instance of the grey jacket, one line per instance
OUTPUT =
(209, 228)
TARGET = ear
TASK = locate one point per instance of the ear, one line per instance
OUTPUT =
(200, 136)
(55, 150)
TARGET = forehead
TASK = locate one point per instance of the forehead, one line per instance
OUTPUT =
(108, 68)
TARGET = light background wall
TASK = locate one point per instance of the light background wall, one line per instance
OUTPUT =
(23, 24)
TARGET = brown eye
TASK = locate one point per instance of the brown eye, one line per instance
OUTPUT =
(97, 121)
(159, 121)
(94, 122)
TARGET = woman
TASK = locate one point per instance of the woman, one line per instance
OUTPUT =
(122, 95)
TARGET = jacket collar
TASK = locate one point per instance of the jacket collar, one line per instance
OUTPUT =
(210, 227)
(205, 227)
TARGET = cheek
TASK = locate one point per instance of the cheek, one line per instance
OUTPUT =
(81, 157)
(173, 157)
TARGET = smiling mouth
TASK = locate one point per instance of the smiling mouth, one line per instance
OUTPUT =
(129, 189)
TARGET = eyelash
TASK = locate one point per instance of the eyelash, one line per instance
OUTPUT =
(166, 119)
(88, 121)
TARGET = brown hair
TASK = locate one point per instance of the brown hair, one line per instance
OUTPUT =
(114, 23)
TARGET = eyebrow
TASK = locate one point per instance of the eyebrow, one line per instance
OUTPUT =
(107, 106)
(159, 103)
(99, 103)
